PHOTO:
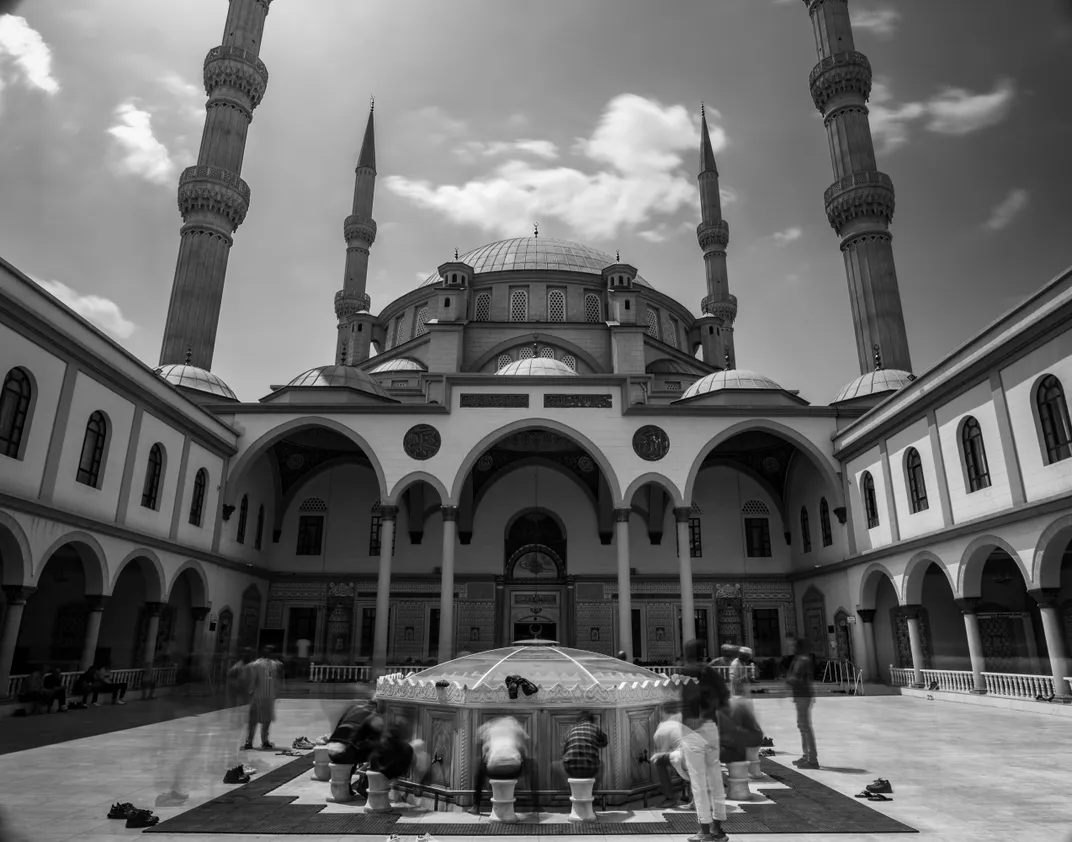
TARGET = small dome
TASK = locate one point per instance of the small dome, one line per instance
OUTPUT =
(539, 366)
(399, 364)
(339, 375)
(197, 379)
(875, 383)
(735, 378)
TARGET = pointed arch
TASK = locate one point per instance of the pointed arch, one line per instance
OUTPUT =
(1049, 553)
(152, 570)
(412, 477)
(536, 424)
(774, 497)
(538, 461)
(973, 559)
(198, 583)
(657, 479)
(916, 570)
(90, 553)
(17, 566)
(822, 462)
(869, 583)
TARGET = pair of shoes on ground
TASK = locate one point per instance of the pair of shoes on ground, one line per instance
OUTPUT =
(806, 763)
(721, 836)
(289, 752)
(173, 798)
(236, 775)
(767, 741)
(322, 741)
(303, 743)
(264, 746)
(875, 790)
(767, 752)
(134, 817)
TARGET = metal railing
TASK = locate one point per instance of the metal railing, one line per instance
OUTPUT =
(845, 674)
(723, 671)
(356, 672)
(162, 676)
(1004, 684)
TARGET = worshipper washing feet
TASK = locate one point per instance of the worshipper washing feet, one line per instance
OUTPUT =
(502, 742)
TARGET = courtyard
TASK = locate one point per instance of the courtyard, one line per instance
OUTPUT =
(958, 773)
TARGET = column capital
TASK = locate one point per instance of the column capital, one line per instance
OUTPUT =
(622, 515)
(17, 594)
(1045, 597)
(449, 513)
(388, 512)
(97, 602)
(682, 513)
(199, 613)
(912, 611)
(154, 609)
(968, 604)
(867, 615)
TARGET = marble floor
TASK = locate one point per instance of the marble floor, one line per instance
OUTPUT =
(958, 772)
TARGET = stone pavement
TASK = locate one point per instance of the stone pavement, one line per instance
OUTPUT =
(958, 773)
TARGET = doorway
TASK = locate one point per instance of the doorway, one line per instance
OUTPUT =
(301, 632)
(766, 639)
(527, 631)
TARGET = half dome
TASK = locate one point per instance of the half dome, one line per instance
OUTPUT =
(534, 254)
(399, 364)
(879, 382)
(344, 376)
(196, 379)
(537, 366)
(735, 378)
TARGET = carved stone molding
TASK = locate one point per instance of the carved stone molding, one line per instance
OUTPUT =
(713, 236)
(682, 514)
(651, 443)
(1045, 597)
(867, 615)
(16, 594)
(848, 72)
(213, 190)
(238, 69)
(722, 307)
(198, 229)
(815, 4)
(449, 513)
(421, 442)
(388, 512)
(967, 604)
(154, 609)
(223, 101)
(843, 111)
(912, 611)
(865, 237)
(841, 514)
(494, 401)
(622, 515)
(869, 196)
(359, 229)
(349, 303)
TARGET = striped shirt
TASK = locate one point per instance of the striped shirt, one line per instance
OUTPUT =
(263, 677)
(581, 747)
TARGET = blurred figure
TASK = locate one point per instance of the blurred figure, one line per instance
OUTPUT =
(800, 680)
(53, 684)
(580, 749)
(502, 754)
(669, 755)
(356, 736)
(701, 702)
(739, 672)
(264, 676)
(738, 729)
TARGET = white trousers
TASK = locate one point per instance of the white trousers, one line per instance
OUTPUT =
(701, 753)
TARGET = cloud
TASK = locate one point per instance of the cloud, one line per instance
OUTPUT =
(1003, 214)
(952, 111)
(787, 236)
(434, 125)
(102, 312)
(190, 98)
(663, 232)
(142, 154)
(881, 21)
(636, 150)
(473, 149)
(26, 49)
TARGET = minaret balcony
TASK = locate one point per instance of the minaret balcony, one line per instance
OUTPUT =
(359, 230)
(841, 73)
(723, 307)
(713, 236)
(215, 191)
(238, 69)
(860, 195)
(349, 303)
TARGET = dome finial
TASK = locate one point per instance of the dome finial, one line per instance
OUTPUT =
(878, 357)
(702, 112)
(455, 252)
(372, 103)
(729, 362)
(189, 355)
(536, 230)
(617, 255)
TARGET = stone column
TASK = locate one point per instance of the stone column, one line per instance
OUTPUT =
(16, 597)
(1055, 641)
(625, 602)
(915, 640)
(93, 619)
(446, 590)
(500, 612)
(867, 628)
(153, 610)
(684, 566)
(197, 636)
(383, 588)
(968, 607)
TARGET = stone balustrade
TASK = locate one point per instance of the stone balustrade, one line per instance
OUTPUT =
(164, 677)
(961, 681)
(356, 672)
(1005, 684)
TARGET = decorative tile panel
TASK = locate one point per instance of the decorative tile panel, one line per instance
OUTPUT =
(578, 402)
(595, 626)
(474, 615)
(494, 401)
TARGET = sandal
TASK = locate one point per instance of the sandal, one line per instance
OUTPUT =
(875, 796)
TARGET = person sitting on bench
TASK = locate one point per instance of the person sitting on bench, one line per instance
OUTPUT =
(118, 690)
(53, 684)
(33, 692)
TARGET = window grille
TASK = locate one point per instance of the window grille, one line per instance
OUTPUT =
(695, 542)
(917, 486)
(570, 361)
(503, 362)
(867, 489)
(673, 385)
(483, 307)
(313, 504)
(14, 409)
(556, 306)
(150, 493)
(670, 332)
(197, 502)
(388, 339)
(243, 513)
(399, 384)
(547, 353)
(310, 535)
(1053, 417)
(422, 322)
(653, 324)
(400, 334)
(755, 507)
(824, 522)
(89, 464)
(975, 464)
(519, 306)
(525, 353)
(805, 530)
(592, 309)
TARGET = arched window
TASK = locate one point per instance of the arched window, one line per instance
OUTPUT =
(400, 333)
(243, 514)
(805, 529)
(388, 338)
(670, 331)
(14, 410)
(422, 322)
(556, 306)
(592, 309)
(260, 529)
(824, 522)
(570, 361)
(547, 353)
(867, 490)
(653, 324)
(756, 528)
(154, 471)
(197, 502)
(89, 463)
(519, 306)
(917, 486)
(483, 307)
(525, 353)
(311, 526)
(1053, 415)
(975, 465)
(503, 361)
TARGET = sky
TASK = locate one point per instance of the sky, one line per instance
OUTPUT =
(580, 114)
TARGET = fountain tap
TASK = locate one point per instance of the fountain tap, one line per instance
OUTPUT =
(643, 757)
(437, 759)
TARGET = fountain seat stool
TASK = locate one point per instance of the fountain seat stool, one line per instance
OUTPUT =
(379, 789)
(502, 800)
(738, 782)
(339, 774)
(755, 771)
(581, 799)
(321, 764)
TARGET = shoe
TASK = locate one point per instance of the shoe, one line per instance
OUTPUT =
(864, 794)
(267, 746)
(877, 797)
(171, 799)
(95, 705)
(702, 837)
(767, 741)
(235, 775)
(249, 770)
(120, 702)
(322, 741)
(879, 785)
(121, 811)
(767, 752)
(473, 811)
(303, 743)
(247, 747)
(808, 764)
(142, 818)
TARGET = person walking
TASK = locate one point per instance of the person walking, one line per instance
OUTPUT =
(701, 700)
(580, 749)
(801, 685)
(264, 677)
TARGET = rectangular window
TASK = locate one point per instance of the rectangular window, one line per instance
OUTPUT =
(368, 632)
(637, 628)
(433, 633)
(374, 536)
(310, 534)
(757, 537)
(695, 546)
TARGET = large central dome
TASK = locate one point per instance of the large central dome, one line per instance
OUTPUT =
(535, 253)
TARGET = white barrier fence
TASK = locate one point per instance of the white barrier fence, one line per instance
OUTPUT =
(162, 676)
(352, 673)
(1005, 684)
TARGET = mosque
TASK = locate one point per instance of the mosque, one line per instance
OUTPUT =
(543, 444)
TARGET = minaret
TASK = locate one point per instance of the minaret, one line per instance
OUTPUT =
(718, 308)
(213, 199)
(352, 302)
(860, 202)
